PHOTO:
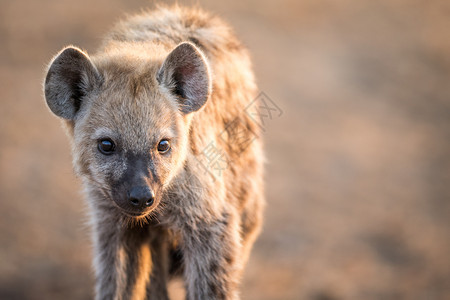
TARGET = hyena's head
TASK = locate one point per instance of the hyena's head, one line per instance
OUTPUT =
(128, 116)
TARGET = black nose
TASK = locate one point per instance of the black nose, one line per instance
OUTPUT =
(141, 196)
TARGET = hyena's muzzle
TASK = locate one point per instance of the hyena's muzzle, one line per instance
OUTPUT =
(136, 191)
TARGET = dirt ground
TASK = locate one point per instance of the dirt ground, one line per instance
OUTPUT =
(358, 172)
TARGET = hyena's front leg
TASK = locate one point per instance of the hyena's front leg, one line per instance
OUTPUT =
(157, 287)
(211, 256)
(123, 261)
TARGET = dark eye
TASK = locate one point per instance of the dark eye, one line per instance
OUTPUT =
(106, 146)
(163, 146)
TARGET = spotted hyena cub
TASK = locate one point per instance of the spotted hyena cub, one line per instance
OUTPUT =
(170, 162)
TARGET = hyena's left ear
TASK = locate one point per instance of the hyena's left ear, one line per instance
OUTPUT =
(186, 73)
(70, 77)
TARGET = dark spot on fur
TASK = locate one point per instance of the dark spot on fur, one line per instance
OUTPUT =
(196, 42)
(197, 20)
(214, 290)
(176, 262)
(229, 259)
(213, 267)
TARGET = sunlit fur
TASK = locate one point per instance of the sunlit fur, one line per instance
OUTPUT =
(126, 92)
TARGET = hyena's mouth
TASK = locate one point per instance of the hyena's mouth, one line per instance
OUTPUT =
(134, 219)
(135, 214)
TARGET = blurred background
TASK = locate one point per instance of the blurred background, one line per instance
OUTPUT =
(358, 172)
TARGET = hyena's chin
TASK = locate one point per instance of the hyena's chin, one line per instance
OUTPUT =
(133, 221)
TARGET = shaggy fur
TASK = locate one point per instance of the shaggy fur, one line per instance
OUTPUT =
(179, 75)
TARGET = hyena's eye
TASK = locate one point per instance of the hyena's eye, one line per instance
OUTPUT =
(106, 146)
(163, 146)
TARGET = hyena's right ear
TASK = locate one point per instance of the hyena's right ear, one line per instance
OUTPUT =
(70, 77)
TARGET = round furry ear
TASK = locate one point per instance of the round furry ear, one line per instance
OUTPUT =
(70, 77)
(185, 72)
